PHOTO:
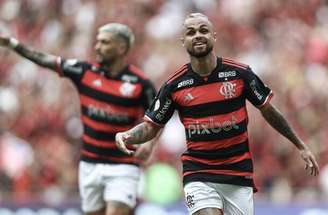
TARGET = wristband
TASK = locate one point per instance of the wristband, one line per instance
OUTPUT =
(13, 43)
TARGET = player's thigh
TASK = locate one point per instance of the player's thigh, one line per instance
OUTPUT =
(99, 212)
(200, 197)
(122, 190)
(209, 211)
(238, 200)
(91, 189)
(117, 208)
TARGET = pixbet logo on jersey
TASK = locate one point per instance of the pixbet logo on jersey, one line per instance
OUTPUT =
(106, 113)
(212, 127)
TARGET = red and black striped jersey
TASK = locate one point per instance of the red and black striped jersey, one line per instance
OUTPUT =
(213, 112)
(108, 105)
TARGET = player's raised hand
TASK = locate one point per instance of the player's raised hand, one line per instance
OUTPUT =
(121, 139)
(311, 164)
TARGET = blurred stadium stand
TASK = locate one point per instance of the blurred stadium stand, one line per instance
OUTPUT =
(285, 42)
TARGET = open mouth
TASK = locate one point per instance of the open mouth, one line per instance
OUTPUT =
(199, 44)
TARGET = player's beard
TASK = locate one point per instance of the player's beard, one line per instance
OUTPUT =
(196, 54)
(106, 61)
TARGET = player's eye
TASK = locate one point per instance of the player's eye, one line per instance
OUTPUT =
(189, 33)
(204, 31)
(104, 42)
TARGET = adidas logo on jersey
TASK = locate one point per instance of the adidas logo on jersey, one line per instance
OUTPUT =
(188, 97)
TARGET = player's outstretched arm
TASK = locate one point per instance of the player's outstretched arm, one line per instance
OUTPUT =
(278, 122)
(42, 59)
(141, 133)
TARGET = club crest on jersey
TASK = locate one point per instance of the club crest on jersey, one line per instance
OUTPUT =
(228, 90)
(127, 89)
(227, 74)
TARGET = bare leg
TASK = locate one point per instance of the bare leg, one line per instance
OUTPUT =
(99, 212)
(117, 208)
(209, 211)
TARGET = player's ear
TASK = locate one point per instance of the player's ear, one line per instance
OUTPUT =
(123, 48)
(214, 36)
(182, 40)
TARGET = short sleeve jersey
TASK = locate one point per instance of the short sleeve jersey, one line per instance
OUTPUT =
(213, 112)
(108, 105)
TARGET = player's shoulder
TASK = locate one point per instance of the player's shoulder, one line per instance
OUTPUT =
(73, 62)
(135, 72)
(179, 78)
(231, 67)
(178, 74)
(234, 64)
(73, 65)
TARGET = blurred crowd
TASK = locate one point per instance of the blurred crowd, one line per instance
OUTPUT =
(285, 42)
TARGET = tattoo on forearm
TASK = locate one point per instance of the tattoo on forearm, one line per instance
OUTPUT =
(39, 58)
(141, 133)
(277, 121)
(138, 133)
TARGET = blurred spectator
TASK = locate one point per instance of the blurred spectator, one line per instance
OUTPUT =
(285, 41)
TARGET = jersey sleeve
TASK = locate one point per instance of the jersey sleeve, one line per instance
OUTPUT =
(256, 91)
(148, 94)
(162, 107)
(72, 69)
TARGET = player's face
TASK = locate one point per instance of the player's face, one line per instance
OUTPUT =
(198, 37)
(108, 48)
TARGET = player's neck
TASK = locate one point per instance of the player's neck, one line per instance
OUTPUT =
(205, 65)
(115, 68)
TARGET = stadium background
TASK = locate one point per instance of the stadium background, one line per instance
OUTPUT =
(285, 42)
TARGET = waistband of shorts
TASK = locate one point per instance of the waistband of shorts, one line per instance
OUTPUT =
(221, 179)
(104, 161)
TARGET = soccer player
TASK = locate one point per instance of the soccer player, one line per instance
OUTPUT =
(113, 97)
(209, 94)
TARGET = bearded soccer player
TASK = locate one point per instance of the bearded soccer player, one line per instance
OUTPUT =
(113, 97)
(210, 96)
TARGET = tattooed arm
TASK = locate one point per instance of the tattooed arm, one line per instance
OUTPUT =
(279, 123)
(42, 59)
(141, 133)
